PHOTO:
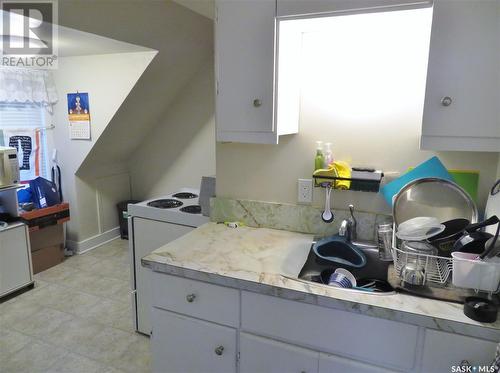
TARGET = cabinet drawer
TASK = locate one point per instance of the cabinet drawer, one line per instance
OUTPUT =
(383, 342)
(443, 350)
(182, 344)
(196, 298)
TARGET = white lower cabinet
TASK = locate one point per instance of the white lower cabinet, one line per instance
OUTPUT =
(200, 327)
(331, 364)
(442, 351)
(334, 331)
(262, 355)
(15, 258)
(185, 345)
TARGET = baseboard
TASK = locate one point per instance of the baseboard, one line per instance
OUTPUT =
(80, 247)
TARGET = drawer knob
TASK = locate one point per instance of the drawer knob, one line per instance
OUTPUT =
(219, 350)
(190, 298)
(257, 102)
(446, 101)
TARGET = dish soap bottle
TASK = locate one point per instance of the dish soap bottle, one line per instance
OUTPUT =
(328, 155)
(319, 160)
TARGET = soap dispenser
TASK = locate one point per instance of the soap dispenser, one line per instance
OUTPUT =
(328, 155)
(319, 160)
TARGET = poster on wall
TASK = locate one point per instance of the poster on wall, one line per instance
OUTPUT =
(27, 142)
(79, 116)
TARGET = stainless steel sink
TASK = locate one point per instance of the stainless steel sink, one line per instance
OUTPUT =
(317, 270)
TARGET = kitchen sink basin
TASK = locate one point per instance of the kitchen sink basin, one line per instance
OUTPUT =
(373, 274)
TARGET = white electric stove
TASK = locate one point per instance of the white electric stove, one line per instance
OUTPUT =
(152, 224)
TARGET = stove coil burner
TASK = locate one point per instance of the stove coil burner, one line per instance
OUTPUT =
(193, 209)
(185, 195)
(165, 203)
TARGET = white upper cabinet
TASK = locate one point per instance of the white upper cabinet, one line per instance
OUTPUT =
(245, 59)
(462, 100)
(311, 7)
(244, 56)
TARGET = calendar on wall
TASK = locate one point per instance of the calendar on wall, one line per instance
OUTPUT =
(79, 116)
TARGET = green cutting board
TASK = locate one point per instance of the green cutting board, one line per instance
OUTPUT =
(469, 180)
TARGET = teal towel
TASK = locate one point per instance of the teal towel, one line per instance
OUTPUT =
(430, 168)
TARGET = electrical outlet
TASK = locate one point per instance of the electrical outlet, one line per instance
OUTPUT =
(305, 191)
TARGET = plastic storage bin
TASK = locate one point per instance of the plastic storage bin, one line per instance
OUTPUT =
(475, 274)
(122, 208)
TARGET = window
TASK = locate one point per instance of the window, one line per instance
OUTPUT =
(362, 72)
(23, 126)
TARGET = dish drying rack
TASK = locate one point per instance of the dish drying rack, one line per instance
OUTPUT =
(437, 269)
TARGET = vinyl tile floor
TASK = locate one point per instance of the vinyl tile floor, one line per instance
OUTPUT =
(77, 319)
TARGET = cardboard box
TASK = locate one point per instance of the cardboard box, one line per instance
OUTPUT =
(47, 257)
(46, 230)
(47, 247)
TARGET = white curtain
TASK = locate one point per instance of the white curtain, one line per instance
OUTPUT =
(27, 86)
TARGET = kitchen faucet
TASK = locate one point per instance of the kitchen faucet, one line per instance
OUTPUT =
(348, 228)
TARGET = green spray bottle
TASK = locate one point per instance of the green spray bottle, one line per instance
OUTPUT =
(319, 160)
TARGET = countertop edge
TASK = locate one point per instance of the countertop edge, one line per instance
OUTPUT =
(483, 331)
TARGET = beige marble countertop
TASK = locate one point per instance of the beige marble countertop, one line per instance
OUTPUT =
(267, 261)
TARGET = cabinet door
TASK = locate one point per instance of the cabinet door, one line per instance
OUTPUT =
(148, 235)
(331, 363)
(15, 266)
(462, 95)
(184, 344)
(244, 45)
(305, 7)
(265, 355)
(443, 350)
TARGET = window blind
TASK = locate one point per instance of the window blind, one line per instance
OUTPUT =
(24, 117)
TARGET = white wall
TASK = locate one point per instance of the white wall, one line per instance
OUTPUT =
(181, 148)
(270, 172)
(108, 79)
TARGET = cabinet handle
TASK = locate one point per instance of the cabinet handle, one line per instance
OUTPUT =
(446, 101)
(190, 298)
(219, 350)
(257, 102)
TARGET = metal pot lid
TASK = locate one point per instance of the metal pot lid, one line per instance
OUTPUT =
(433, 197)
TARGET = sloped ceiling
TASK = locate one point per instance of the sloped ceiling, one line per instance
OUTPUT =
(204, 7)
(73, 42)
(184, 41)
